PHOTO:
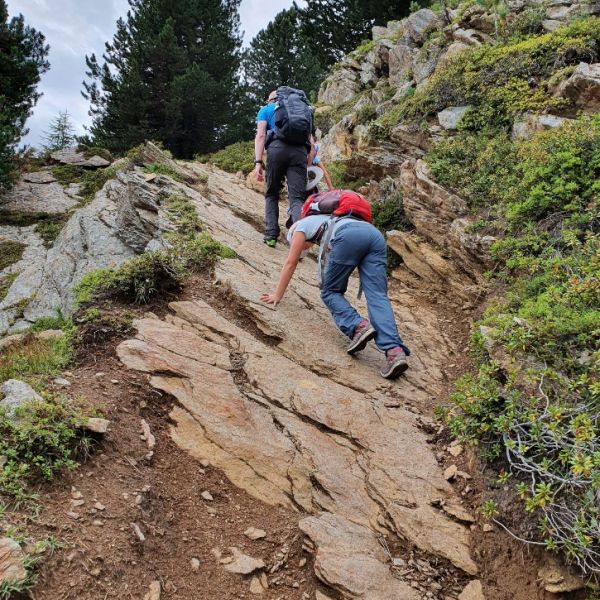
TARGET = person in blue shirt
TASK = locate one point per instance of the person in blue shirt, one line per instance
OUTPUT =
(284, 161)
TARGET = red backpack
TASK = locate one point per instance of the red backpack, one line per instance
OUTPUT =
(339, 203)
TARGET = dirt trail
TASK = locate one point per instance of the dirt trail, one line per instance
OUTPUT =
(292, 419)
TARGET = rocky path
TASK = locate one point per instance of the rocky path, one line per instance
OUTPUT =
(272, 399)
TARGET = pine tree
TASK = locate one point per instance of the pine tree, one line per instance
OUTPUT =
(337, 27)
(60, 134)
(23, 53)
(281, 55)
(169, 74)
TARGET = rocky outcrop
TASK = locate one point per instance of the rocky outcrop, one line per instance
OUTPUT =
(442, 218)
(423, 261)
(72, 156)
(12, 563)
(583, 87)
(37, 193)
(125, 218)
(450, 117)
(529, 124)
(292, 419)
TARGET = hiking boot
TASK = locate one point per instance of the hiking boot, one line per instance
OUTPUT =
(270, 242)
(395, 364)
(363, 333)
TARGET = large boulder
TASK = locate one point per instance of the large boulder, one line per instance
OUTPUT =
(71, 156)
(342, 85)
(450, 117)
(583, 87)
(420, 23)
(16, 393)
(37, 193)
(401, 58)
(529, 124)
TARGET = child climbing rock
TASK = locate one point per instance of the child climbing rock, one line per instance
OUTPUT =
(348, 241)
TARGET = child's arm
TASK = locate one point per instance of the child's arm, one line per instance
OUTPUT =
(326, 175)
(291, 262)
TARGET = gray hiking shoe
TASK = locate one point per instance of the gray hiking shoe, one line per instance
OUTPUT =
(395, 363)
(363, 333)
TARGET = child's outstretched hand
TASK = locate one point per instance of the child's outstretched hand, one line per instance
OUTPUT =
(269, 299)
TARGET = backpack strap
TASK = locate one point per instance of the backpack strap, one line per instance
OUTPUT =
(324, 249)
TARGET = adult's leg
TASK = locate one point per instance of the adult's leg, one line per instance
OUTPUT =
(276, 166)
(373, 277)
(296, 180)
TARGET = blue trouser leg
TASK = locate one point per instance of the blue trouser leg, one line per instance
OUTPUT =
(373, 277)
(334, 287)
(360, 244)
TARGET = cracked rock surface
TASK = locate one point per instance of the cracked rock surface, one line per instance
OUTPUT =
(288, 416)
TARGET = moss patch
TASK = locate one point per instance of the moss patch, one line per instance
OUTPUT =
(10, 253)
(503, 81)
(5, 283)
(233, 158)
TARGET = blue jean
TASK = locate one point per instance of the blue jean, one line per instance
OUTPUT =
(359, 244)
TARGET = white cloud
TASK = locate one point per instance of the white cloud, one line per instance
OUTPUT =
(74, 28)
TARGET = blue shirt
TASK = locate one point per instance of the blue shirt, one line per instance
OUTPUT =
(267, 113)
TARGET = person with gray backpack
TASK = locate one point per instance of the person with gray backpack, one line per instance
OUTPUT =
(284, 129)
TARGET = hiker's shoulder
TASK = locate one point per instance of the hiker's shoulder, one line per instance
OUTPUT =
(264, 112)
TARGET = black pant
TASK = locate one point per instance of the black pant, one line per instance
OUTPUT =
(284, 160)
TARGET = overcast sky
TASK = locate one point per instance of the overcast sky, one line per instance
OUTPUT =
(74, 28)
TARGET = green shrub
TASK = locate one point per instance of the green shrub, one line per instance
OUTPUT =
(502, 81)
(162, 169)
(10, 253)
(67, 174)
(388, 213)
(337, 172)
(534, 399)
(366, 114)
(49, 228)
(152, 273)
(363, 49)
(93, 181)
(89, 151)
(233, 158)
(527, 22)
(38, 439)
(37, 359)
(184, 216)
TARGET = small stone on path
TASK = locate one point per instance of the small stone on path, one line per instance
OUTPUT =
(255, 534)
(450, 472)
(154, 592)
(60, 381)
(455, 450)
(207, 496)
(256, 587)
(97, 425)
(244, 564)
(473, 591)
(195, 564)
